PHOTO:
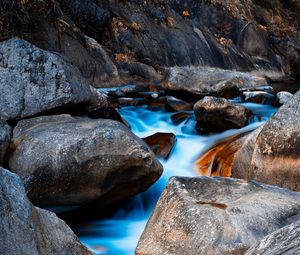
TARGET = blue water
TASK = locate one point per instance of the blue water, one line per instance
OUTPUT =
(119, 234)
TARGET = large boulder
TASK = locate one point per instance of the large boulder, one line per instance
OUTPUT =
(216, 216)
(71, 161)
(209, 81)
(34, 81)
(273, 157)
(29, 230)
(5, 135)
(219, 114)
(285, 241)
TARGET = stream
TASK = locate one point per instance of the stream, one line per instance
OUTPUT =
(119, 234)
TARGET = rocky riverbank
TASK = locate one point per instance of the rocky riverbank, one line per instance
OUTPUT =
(64, 145)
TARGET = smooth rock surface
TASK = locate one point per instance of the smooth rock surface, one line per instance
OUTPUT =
(209, 81)
(285, 241)
(65, 160)
(208, 215)
(219, 114)
(29, 230)
(5, 135)
(283, 97)
(34, 81)
(275, 155)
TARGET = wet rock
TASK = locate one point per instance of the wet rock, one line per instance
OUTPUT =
(283, 97)
(174, 104)
(161, 143)
(29, 230)
(209, 81)
(5, 136)
(179, 117)
(285, 241)
(274, 158)
(259, 97)
(71, 161)
(216, 216)
(35, 81)
(219, 114)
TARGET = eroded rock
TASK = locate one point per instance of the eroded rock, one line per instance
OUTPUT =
(5, 136)
(216, 216)
(65, 160)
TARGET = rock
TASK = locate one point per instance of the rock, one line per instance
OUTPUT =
(219, 114)
(29, 230)
(209, 81)
(174, 104)
(71, 161)
(285, 241)
(212, 215)
(161, 143)
(259, 97)
(5, 135)
(179, 117)
(34, 81)
(273, 156)
(283, 97)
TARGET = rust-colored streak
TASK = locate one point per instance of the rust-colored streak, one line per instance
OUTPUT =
(214, 204)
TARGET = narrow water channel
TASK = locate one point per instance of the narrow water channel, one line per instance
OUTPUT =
(119, 234)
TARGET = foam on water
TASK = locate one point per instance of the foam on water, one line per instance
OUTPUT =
(120, 233)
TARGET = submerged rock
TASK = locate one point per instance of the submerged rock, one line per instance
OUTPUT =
(35, 81)
(65, 160)
(29, 230)
(209, 81)
(161, 143)
(259, 97)
(219, 114)
(174, 104)
(216, 216)
(179, 117)
(285, 241)
(5, 136)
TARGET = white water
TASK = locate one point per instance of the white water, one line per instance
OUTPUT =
(119, 234)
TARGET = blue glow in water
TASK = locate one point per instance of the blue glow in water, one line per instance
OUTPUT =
(120, 234)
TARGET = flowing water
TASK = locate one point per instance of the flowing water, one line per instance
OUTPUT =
(119, 234)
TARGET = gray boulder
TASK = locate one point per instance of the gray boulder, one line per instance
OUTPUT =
(28, 230)
(285, 241)
(209, 81)
(5, 135)
(283, 97)
(71, 161)
(219, 114)
(216, 216)
(273, 156)
(34, 81)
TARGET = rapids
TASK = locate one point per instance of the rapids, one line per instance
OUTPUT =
(119, 234)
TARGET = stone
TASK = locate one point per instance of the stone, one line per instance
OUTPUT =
(34, 81)
(5, 136)
(72, 161)
(219, 114)
(174, 104)
(259, 97)
(179, 117)
(285, 241)
(29, 230)
(283, 97)
(161, 143)
(209, 81)
(273, 156)
(213, 215)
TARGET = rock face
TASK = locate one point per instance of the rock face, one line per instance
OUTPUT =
(285, 241)
(283, 97)
(34, 81)
(72, 161)
(216, 216)
(219, 114)
(209, 81)
(274, 158)
(28, 230)
(5, 135)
